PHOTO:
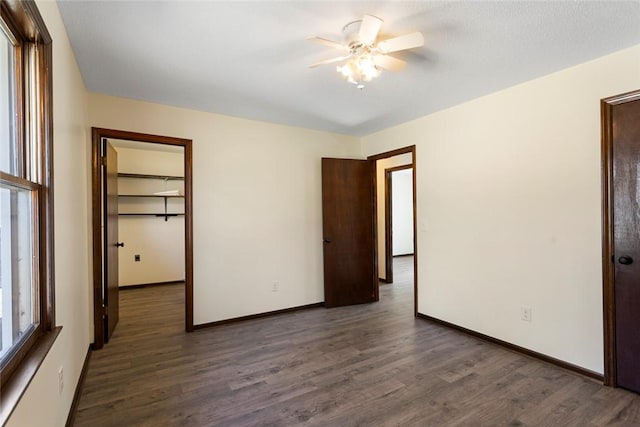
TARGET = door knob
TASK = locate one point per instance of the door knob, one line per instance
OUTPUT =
(625, 260)
(326, 240)
(120, 244)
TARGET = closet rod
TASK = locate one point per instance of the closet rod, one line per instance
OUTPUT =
(141, 175)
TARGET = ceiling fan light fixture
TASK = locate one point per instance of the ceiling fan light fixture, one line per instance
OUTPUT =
(366, 57)
(346, 70)
(360, 69)
(367, 68)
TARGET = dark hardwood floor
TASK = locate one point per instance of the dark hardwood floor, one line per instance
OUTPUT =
(367, 365)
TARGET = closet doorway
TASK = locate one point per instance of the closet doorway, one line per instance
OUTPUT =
(142, 220)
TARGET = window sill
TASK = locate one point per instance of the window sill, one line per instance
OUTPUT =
(12, 392)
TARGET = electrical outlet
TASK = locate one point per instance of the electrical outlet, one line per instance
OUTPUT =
(275, 286)
(525, 313)
(60, 380)
(136, 258)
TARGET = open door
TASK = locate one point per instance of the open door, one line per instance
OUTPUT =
(348, 225)
(111, 244)
(621, 136)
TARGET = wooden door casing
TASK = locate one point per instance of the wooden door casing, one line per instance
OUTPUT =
(97, 211)
(621, 242)
(388, 218)
(374, 158)
(626, 233)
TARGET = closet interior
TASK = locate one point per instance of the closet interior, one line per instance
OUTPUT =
(150, 213)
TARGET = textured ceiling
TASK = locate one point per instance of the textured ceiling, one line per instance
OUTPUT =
(249, 59)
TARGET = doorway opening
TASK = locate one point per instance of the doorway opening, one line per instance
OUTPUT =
(142, 217)
(396, 166)
(398, 217)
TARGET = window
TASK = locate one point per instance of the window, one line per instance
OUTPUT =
(26, 235)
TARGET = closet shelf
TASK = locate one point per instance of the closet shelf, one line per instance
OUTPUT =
(159, 214)
(145, 176)
(172, 194)
(152, 195)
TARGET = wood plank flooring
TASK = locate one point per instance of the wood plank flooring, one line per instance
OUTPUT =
(367, 365)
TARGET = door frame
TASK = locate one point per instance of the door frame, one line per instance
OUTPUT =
(388, 217)
(608, 273)
(97, 134)
(410, 149)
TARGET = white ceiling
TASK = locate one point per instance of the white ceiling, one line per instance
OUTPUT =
(249, 59)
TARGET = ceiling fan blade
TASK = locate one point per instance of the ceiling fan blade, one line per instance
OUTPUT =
(327, 42)
(408, 41)
(389, 62)
(329, 61)
(369, 29)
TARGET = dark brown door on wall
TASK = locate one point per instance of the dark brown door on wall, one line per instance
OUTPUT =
(626, 230)
(348, 229)
(111, 244)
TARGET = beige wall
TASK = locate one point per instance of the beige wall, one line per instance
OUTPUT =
(42, 405)
(257, 204)
(508, 191)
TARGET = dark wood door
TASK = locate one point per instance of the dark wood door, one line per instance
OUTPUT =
(348, 225)
(626, 223)
(111, 243)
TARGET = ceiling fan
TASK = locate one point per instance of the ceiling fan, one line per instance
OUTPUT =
(366, 56)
